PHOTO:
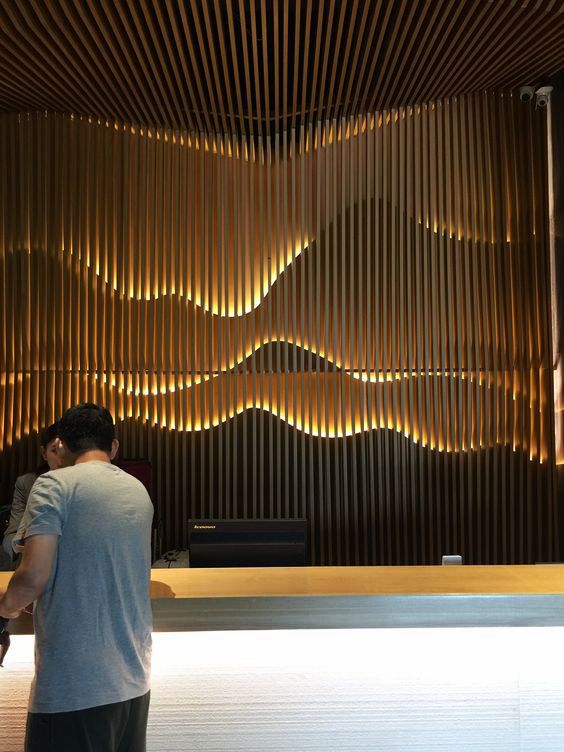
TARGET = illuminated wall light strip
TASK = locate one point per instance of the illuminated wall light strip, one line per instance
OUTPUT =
(239, 378)
(313, 430)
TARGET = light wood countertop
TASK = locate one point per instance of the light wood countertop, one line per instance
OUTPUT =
(320, 581)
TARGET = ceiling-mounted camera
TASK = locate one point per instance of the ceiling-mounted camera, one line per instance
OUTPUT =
(543, 95)
(526, 93)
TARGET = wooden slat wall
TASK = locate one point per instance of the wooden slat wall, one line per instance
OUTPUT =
(347, 321)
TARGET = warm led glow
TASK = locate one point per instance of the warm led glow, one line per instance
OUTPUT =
(280, 395)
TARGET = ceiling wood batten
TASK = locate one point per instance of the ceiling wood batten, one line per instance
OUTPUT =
(259, 66)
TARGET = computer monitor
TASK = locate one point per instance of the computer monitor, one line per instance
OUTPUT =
(247, 543)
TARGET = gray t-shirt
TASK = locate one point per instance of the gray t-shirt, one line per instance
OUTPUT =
(93, 621)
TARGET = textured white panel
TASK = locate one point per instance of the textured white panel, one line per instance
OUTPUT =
(480, 689)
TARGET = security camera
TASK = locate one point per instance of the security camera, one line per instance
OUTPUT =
(526, 93)
(543, 95)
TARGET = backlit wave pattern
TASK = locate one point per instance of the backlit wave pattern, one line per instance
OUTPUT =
(329, 405)
(375, 287)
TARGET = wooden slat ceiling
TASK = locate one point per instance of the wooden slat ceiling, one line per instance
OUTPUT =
(260, 65)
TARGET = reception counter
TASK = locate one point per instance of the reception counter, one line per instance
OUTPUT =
(351, 597)
(357, 597)
(336, 659)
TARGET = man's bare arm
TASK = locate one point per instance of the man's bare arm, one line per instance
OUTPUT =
(31, 577)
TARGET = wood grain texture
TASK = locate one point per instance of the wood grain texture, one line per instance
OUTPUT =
(324, 581)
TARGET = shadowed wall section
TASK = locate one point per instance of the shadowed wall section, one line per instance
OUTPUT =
(348, 321)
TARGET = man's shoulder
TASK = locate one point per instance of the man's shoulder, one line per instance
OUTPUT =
(78, 471)
(60, 475)
(106, 474)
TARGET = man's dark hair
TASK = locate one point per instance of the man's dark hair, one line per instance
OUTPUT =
(48, 434)
(85, 427)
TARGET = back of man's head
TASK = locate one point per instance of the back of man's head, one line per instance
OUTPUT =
(87, 427)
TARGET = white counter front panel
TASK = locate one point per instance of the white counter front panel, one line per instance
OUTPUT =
(482, 689)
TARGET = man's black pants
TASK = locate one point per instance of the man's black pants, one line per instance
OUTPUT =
(119, 727)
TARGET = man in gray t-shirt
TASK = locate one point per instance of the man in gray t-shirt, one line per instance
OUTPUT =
(86, 562)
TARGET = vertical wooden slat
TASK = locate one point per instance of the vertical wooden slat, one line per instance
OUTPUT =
(176, 302)
(193, 312)
(256, 66)
(403, 358)
(297, 425)
(371, 371)
(500, 360)
(224, 332)
(527, 208)
(328, 237)
(237, 265)
(250, 187)
(303, 328)
(387, 254)
(379, 360)
(457, 250)
(395, 334)
(477, 365)
(466, 275)
(270, 233)
(432, 228)
(284, 381)
(419, 310)
(410, 365)
(339, 307)
(441, 235)
(507, 210)
(488, 438)
(360, 495)
(451, 319)
(211, 406)
(222, 293)
(265, 55)
(547, 346)
(279, 241)
(263, 334)
(313, 492)
(242, 370)
(346, 338)
(518, 242)
(428, 331)
(322, 248)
